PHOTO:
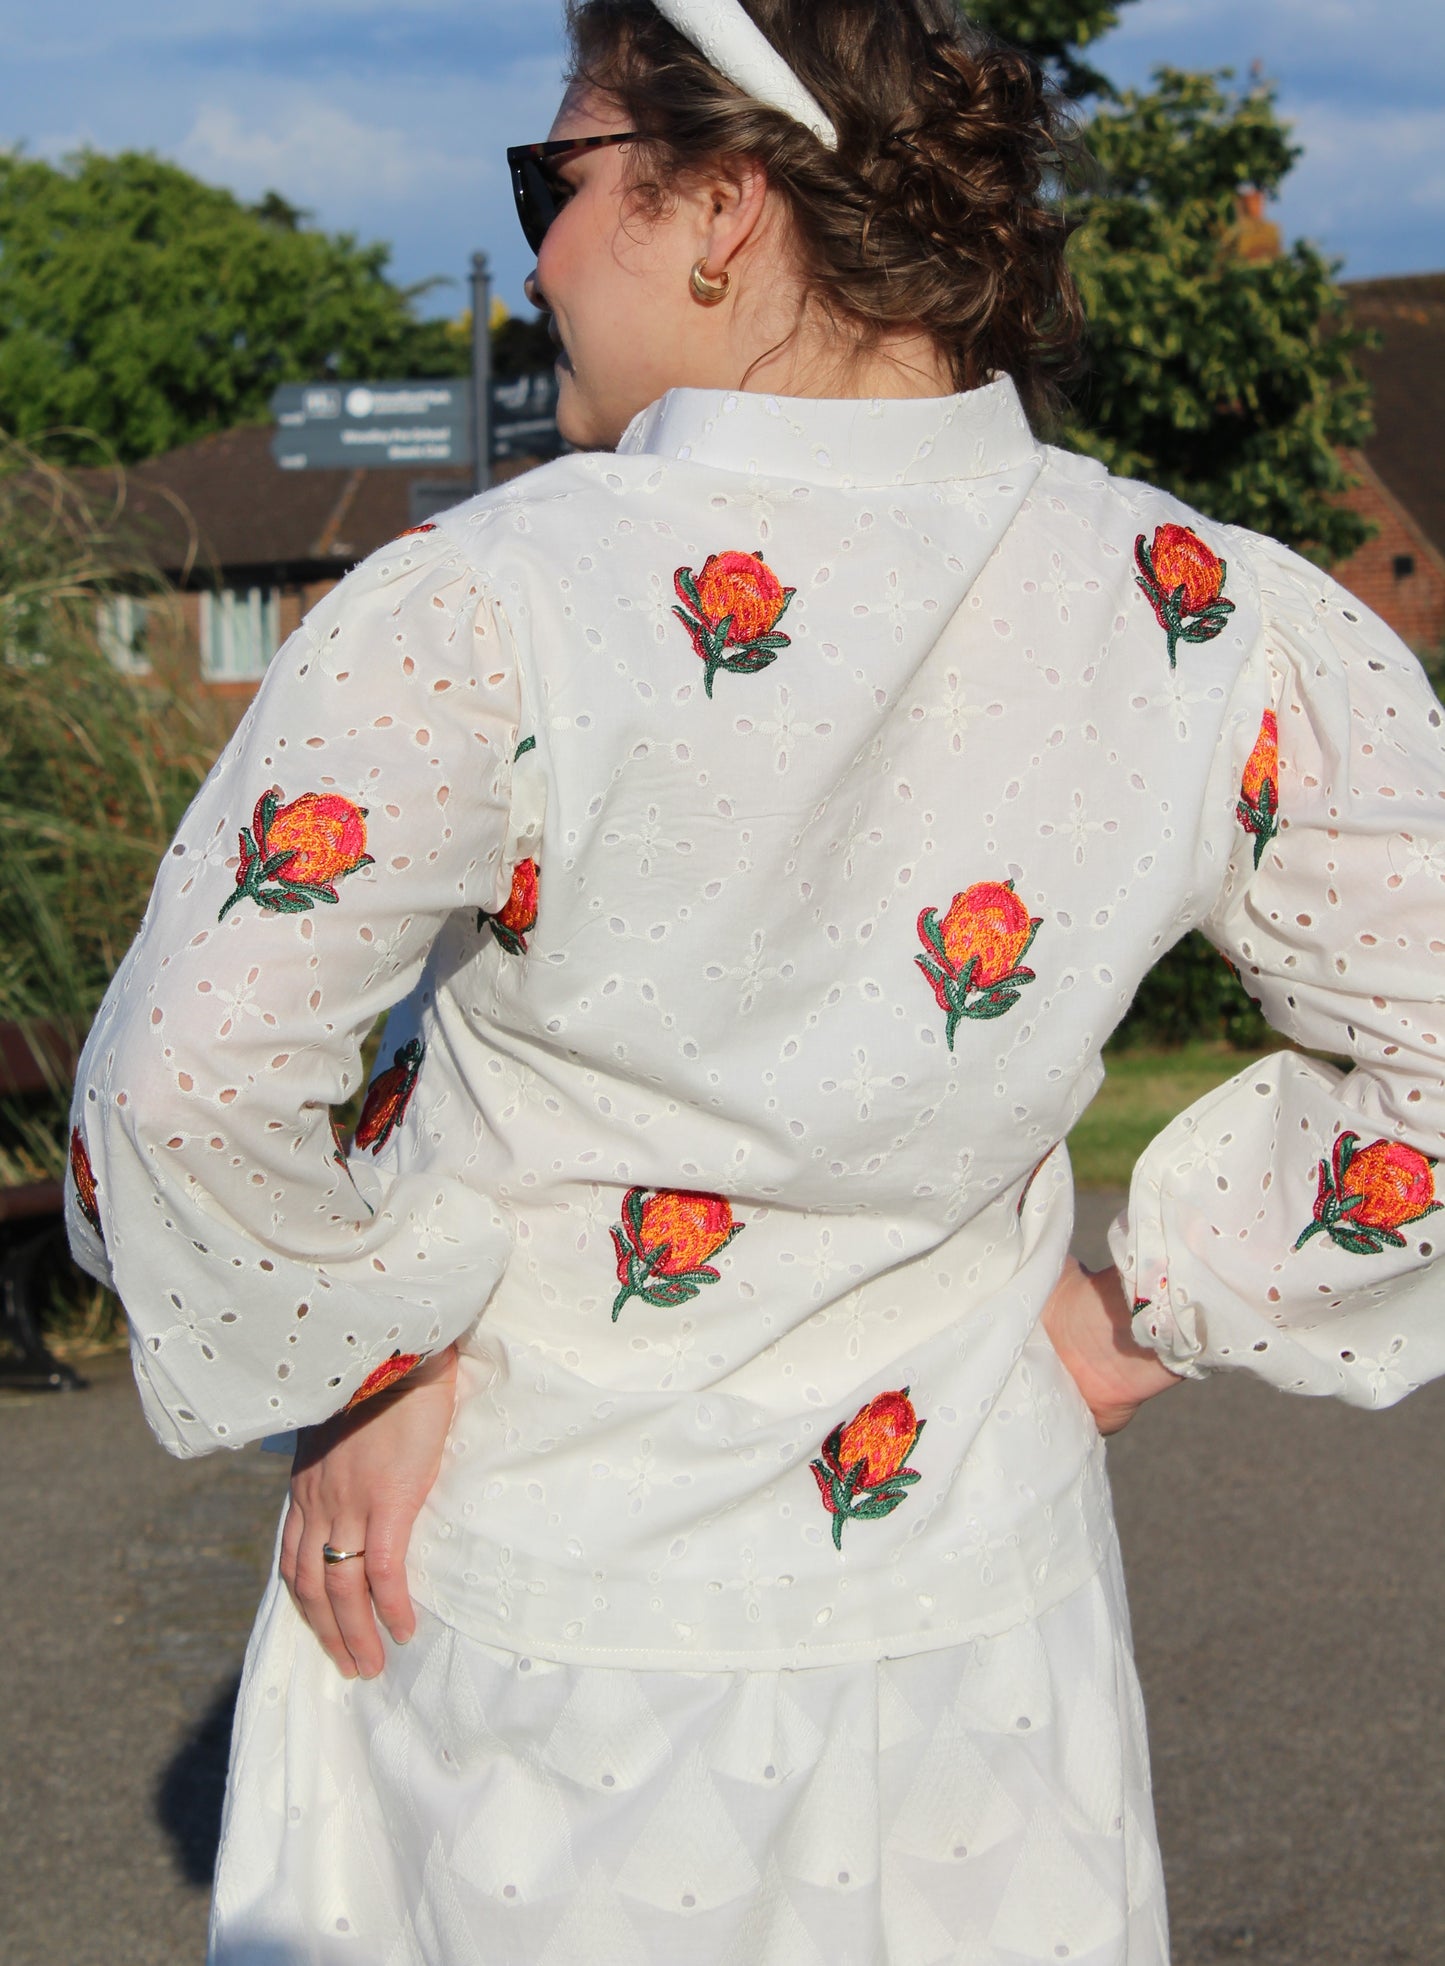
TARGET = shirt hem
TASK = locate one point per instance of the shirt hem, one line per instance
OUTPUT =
(797, 1655)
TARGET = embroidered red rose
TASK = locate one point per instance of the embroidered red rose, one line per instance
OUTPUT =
(1184, 581)
(1258, 806)
(665, 1243)
(293, 855)
(388, 1097)
(732, 610)
(385, 1376)
(514, 923)
(1365, 1195)
(861, 1474)
(975, 954)
(83, 1175)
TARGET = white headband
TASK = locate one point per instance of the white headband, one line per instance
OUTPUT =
(739, 49)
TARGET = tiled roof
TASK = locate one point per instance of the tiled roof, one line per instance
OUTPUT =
(1407, 375)
(225, 502)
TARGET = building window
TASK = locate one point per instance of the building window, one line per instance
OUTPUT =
(240, 632)
(122, 624)
(1403, 565)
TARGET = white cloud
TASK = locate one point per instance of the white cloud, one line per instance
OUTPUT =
(322, 156)
(1354, 50)
(1362, 82)
(1370, 186)
(388, 117)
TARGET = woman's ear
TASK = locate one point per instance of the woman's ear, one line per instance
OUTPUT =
(734, 205)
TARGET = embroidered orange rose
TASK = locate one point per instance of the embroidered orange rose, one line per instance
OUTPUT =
(1258, 805)
(665, 1243)
(384, 1377)
(732, 610)
(514, 923)
(1184, 581)
(388, 1097)
(83, 1175)
(975, 954)
(861, 1474)
(293, 855)
(1365, 1195)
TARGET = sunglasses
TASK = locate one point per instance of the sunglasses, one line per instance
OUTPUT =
(539, 193)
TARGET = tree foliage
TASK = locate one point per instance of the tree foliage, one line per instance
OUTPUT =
(143, 305)
(1228, 381)
(1055, 33)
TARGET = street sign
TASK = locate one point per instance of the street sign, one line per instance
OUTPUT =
(337, 426)
(400, 425)
(524, 416)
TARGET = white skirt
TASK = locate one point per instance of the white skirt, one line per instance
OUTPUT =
(983, 1805)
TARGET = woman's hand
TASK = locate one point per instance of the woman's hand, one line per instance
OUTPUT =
(358, 1482)
(1087, 1319)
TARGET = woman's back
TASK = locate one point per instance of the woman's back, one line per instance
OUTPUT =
(828, 863)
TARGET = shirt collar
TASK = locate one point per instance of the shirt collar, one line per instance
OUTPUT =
(839, 440)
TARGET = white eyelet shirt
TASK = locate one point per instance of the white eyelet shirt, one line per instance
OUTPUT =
(754, 835)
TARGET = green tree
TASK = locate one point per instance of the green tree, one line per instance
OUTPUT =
(148, 307)
(1054, 32)
(1227, 381)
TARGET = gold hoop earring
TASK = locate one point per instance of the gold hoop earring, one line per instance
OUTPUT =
(709, 292)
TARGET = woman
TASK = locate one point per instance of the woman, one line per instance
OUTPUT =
(755, 825)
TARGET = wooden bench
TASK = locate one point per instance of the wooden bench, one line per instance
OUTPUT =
(24, 1247)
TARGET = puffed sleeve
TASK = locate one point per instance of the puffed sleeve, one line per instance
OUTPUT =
(1288, 1223)
(363, 801)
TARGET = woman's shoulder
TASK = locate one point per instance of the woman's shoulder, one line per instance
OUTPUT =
(1168, 540)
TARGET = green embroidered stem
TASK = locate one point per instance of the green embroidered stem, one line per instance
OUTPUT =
(1260, 819)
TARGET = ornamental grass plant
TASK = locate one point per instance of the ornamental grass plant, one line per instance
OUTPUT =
(102, 746)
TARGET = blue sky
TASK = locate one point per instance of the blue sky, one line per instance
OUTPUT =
(389, 119)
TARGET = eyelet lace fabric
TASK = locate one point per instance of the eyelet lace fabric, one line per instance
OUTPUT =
(754, 836)
(987, 1803)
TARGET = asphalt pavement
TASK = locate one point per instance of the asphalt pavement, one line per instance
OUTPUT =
(1284, 1560)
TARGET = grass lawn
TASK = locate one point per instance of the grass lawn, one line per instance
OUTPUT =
(1144, 1090)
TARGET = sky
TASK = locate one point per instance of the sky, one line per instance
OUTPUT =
(389, 118)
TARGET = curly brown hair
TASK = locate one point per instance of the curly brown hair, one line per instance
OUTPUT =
(938, 211)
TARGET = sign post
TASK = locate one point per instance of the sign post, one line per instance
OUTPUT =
(481, 373)
(446, 423)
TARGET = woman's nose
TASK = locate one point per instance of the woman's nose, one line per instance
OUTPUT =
(534, 292)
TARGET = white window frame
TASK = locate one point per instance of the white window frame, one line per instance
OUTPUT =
(121, 625)
(240, 632)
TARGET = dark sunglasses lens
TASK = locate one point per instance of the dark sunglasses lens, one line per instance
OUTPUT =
(536, 204)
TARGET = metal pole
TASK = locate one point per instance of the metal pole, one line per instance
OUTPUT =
(481, 372)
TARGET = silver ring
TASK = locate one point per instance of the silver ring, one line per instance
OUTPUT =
(329, 1554)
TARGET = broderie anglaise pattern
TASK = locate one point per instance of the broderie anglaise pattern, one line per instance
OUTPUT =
(669, 1124)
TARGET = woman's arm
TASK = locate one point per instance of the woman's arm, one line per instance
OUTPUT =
(1289, 1223)
(363, 806)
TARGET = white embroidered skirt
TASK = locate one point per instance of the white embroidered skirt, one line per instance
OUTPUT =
(983, 1805)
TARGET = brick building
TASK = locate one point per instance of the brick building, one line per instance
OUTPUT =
(1400, 573)
(252, 547)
